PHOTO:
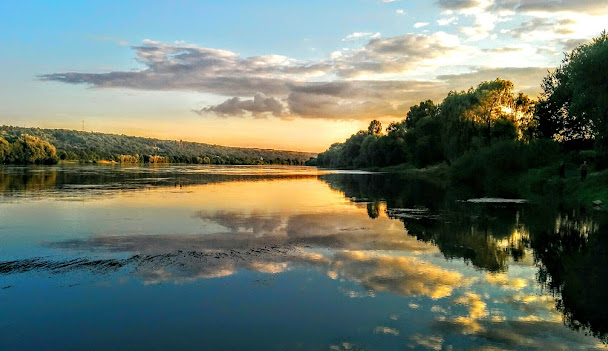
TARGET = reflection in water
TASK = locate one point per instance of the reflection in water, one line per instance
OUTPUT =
(104, 180)
(409, 264)
(486, 236)
(569, 250)
(573, 257)
(27, 180)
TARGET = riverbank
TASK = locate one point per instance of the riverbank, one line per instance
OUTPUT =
(538, 185)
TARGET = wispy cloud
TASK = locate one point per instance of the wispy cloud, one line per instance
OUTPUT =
(361, 35)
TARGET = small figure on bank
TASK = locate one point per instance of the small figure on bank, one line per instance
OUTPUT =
(562, 170)
(584, 170)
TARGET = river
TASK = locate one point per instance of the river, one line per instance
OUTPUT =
(289, 258)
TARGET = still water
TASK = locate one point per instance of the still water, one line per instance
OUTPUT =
(288, 258)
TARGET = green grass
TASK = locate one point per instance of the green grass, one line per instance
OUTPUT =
(538, 185)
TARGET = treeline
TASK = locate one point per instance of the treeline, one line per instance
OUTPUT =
(79, 146)
(491, 125)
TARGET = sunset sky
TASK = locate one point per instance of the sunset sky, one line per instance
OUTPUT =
(296, 75)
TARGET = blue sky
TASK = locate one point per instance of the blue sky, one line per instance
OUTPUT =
(266, 73)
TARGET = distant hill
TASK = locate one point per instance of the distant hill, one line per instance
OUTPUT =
(91, 147)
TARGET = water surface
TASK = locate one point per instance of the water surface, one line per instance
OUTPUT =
(288, 258)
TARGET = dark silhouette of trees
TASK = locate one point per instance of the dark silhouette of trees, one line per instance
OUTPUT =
(572, 111)
(375, 128)
(574, 102)
(430, 134)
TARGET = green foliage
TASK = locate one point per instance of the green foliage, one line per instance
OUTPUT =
(431, 134)
(574, 103)
(375, 128)
(29, 149)
(418, 112)
(5, 149)
(92, 147)
(504, 129)
(497, 170)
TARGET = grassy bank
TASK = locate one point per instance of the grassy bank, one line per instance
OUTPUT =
(540, 185)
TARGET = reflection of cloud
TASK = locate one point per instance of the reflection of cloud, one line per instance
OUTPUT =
(386, 330)
(538, 305)
(477, 309)
(510, 335)
(275, 243)
(329, 230)
(505, 282)
(431, 342)
(540, 328)
(406, 276)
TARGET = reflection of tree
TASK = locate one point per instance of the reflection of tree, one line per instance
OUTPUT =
(37, 179)
(572, 251)
(99, 180)
(373, 209)
(483, 235)
(397, 190)
(573, 257)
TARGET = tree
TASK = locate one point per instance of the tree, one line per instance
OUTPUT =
(5, 149)
(29, 149)
(417, 112)
(375, 128)
(574, 103)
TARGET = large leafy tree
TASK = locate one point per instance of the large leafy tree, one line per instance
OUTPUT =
(417, 112)
(574, 103)
(469, 118)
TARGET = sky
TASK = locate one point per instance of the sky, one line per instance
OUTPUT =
(295, 75)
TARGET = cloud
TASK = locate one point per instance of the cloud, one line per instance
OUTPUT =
(420, 24)
(528, 6)
(361, 35)
(542, 28)
(259, 106)
(457, 4)
(380, 79)
(547, 19)
(400, 11)
(446, 21)
(578, 6)
(526, 79)
(399, 55)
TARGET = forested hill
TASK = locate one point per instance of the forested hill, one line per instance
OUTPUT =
(91, 146)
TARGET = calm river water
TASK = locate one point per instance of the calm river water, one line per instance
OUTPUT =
(288, 258)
